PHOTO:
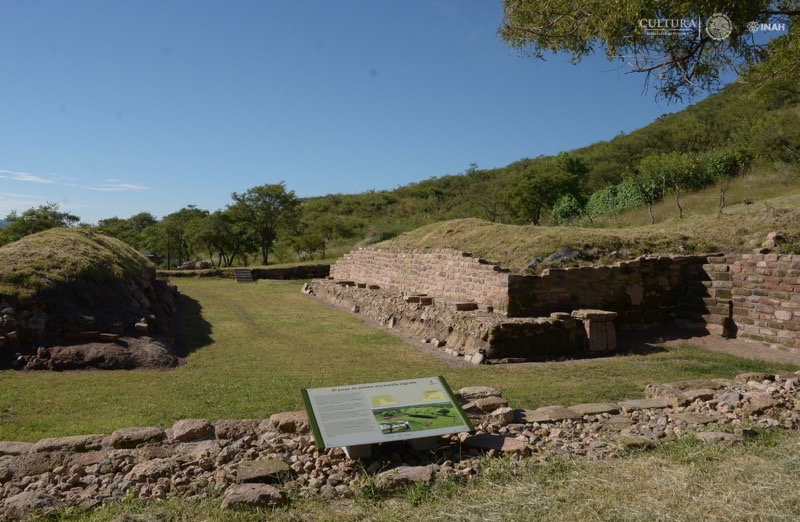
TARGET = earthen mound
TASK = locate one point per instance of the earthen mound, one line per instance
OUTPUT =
(72, 299)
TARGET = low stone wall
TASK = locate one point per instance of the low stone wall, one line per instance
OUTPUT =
(259, 463)
(752, 296)
(442, 272)
(478, 335)
(286, 272)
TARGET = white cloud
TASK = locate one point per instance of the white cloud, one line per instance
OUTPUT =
(107, 185)
(118, 187)
(24, 176)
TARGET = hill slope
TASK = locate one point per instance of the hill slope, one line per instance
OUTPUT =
(740, 228)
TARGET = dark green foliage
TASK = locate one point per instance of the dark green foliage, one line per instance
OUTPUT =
(33, 220)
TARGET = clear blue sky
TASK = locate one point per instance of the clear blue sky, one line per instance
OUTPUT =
(113, 107)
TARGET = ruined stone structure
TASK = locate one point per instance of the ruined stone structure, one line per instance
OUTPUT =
(472, 308)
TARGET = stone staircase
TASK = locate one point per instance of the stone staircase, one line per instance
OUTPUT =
(243, 275)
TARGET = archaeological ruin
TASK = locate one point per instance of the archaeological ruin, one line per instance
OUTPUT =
(474, 309)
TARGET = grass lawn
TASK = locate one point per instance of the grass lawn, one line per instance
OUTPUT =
(254, 346)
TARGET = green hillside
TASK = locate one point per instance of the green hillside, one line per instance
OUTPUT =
(740, 228)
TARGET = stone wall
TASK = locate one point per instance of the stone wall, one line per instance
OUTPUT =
(644, 292)
(285, 272)
(442, 272)
(754, 296)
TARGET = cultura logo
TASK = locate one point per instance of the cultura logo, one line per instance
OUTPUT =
(718, 26)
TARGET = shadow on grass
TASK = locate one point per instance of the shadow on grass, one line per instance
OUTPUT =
(192, 332)
(650, 341)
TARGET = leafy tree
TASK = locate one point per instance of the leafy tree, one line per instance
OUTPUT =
(721, 167)
(648, 187)
(129, 230)
(265, 210)
(680, 62)
(566, 209)
(35, 220)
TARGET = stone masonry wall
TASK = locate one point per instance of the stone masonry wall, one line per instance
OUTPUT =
(755, 296)
(752, 296)
(644, 292)
(443, 272)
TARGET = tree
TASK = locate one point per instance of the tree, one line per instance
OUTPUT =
(35, 220)
(265, 210)
(648, 188)
(721, 167)
(693, 55)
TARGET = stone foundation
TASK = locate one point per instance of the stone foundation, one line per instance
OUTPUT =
(476, 333)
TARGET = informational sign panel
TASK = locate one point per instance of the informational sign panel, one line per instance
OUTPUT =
(383, 411)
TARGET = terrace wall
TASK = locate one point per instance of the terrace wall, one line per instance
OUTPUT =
(752, 296)
(445, 273)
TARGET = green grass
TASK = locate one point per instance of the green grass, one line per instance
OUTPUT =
(685, 480)
(254, 346)
(63, 256)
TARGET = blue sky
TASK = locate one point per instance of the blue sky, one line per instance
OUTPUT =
(109, 108)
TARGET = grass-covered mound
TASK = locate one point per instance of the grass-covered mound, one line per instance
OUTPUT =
(44, 261)
(741, 227)
(72, 298)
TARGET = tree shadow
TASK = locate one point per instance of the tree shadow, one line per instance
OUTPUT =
(192, 332)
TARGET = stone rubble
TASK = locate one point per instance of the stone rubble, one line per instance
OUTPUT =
(262, 463)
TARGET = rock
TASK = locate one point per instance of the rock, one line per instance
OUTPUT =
(531, 416)
(29, 503)
(595, 408)
(490, 403)
(472, 393)
(403, 475)
(699, 394)
(713, 437)
(635, 442)
(291, 422)
(501, 416)
(730, 398)
(692, 418)
(32, 464)
(192, 429)
(675, 397)
(15, 448)
(488, 441)
(150, 470)
(252, 495)
(617, 423)
(753, 376)
(75, 443)
(694, 384)
(132, 437)
(645, 404)
(559, 413)
(230, 429)
(264, 471)
(759, 403)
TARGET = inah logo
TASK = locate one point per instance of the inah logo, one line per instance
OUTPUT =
(718, 26)
(754, 27)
